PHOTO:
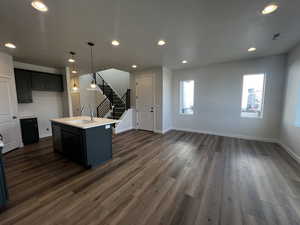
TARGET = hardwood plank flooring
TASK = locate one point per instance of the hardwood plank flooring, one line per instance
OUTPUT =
(179, 178)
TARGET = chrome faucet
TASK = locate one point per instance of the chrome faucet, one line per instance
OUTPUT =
(91, 111)
(81, 110)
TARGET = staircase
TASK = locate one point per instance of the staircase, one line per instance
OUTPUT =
(113, 102)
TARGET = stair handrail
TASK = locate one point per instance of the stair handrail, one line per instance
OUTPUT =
(104, 83)
(102, 104)
(126, 99)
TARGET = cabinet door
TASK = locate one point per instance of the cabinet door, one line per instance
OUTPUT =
(54, 82)
(72, 145)
(56, 135)
(38, 82)
(46, 82)
(23, 86)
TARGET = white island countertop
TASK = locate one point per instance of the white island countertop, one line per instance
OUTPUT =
(85, 122)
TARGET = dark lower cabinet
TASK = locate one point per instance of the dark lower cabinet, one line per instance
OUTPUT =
(89, 147)
(3, 188)
(30, 130)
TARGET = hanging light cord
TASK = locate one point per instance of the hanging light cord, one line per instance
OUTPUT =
(92, 63)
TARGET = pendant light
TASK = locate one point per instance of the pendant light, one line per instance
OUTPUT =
(72, 60)
(93, 83)
(74, 88)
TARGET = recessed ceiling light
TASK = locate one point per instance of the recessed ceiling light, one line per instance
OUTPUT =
(184, 61)
(252, 49)
(10, 45)
(38, 5)
(74, 71)
(115, 43)
(71, 60)
(161, 42)
(269, 9)
(134, 66)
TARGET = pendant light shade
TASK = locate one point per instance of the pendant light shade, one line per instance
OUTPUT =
(93, 83)
(71, 59)
(74, 88)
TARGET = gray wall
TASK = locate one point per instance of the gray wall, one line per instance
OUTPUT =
(167, 100)
(158, 83)
(46, 105)
(89, 96)
(218, 90)
(290, 134)
(118, 80)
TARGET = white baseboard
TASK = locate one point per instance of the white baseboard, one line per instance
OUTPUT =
(45, 135)
(289, 151)
(124, 130)
(272, 140)
(166, 130)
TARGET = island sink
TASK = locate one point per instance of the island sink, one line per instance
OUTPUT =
(87, 142)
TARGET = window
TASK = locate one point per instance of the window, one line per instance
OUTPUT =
(187, 97)
(253, 96)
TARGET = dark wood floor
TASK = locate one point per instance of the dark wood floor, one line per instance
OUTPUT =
(177, 178)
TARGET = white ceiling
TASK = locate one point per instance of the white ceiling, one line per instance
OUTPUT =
(200, 31)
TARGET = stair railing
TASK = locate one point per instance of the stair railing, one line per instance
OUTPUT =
(126, 98)
(104, 107)
(103, 83)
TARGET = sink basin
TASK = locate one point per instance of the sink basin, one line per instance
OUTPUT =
(81, 121)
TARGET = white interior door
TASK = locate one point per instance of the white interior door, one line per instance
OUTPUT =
(9, 124)
(145, 103)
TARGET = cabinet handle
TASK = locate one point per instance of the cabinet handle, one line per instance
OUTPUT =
(14, 117)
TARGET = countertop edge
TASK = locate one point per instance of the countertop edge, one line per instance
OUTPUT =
(81, 127)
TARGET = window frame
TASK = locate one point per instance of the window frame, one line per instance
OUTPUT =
(263, 96)
(181, 98)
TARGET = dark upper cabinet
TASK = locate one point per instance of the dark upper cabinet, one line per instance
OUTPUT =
(28, 81)
(46, 82)
(23, 86)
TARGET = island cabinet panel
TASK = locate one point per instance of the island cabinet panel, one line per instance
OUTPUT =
(72, 145)
(57, 144)
(99, 144)
(89, 147)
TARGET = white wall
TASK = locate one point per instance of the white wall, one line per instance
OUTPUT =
(218, 90)
(158, 84)
(118, 80)
(290, 134)
(88, 96)
(167, 100)
(126, 122)
(46, 105)
(9, 128)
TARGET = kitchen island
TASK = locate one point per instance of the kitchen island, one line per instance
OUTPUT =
(85, 140)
